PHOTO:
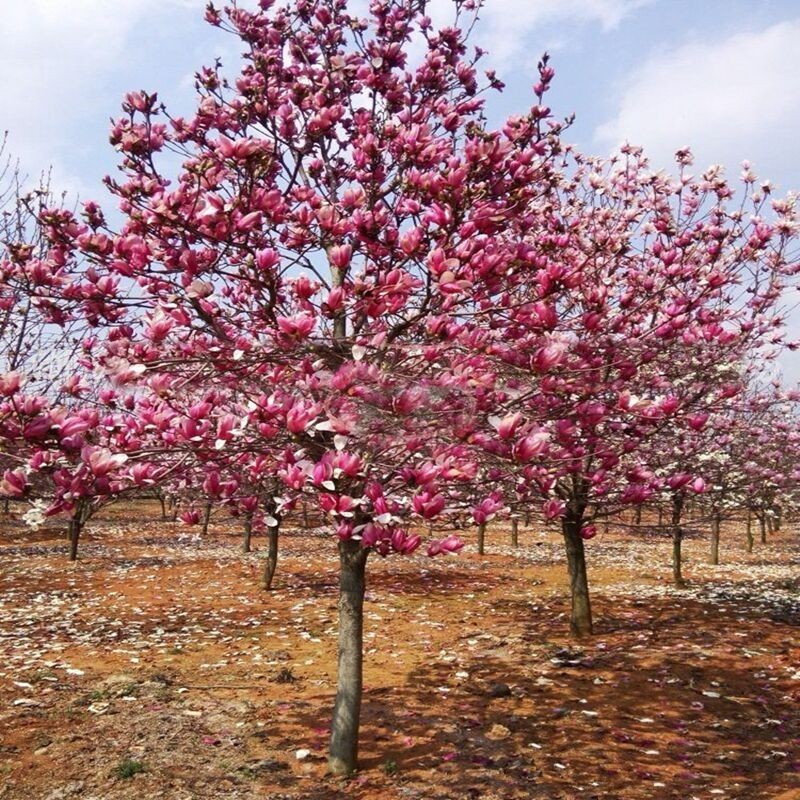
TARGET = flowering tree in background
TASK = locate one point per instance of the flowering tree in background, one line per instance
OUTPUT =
(649, 296)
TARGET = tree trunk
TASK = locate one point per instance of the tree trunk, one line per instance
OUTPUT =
(715, 523)
(271, 563)
(637, 516)
(677, 539)
(762, 521)
(6, 506)
(660, 517)
(778, 519)
(481, 538)
(581, 617)
(75, 526)
(206, 519)
(162, 500)
(306, 523)
(750, 537)
(343, 755)
(79, 516)
(248, 531)
(527, 519)
(515, 532)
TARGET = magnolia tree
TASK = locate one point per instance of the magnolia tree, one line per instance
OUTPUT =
(647, 294)
(335, 207)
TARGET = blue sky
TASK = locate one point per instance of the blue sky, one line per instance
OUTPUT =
(718, 75)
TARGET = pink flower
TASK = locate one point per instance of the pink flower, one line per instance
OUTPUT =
(340, 256)
(102, 461)
(676, 482)
(13, 483)
(300, 416)
(404, 543)
(508, 425)
(486, 509)
(267, 259)
(298, 326)
(190, 517)
(451, 544)
(698, 485)
(553, 508)
(549, 356)
(532, 445)
(73, 426)
(428, 505)
(697, 421)
(588, 532)
(349, 464)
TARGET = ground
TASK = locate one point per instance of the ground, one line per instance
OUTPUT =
(157, 668)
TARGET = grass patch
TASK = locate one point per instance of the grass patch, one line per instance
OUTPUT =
(127, 768)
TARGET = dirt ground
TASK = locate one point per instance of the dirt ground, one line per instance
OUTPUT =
(156, 668)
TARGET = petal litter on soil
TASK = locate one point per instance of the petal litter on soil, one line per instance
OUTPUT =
(161, 649)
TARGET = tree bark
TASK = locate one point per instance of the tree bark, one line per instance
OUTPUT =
(206, 519)
(637, 516)
(343, 754)
(271, 564)
(481, 538)
(162, 500)
(515, 532)
(677, 539)
(715, 523)
(248, 532)
(778, 519)
(581, 616)
(750, 537)
(762, 521)
(79, 516)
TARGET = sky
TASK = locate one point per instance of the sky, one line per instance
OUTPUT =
(717, 75)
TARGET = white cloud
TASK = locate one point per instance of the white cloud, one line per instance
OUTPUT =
(506, 25)
(730, 100)
(56, 57)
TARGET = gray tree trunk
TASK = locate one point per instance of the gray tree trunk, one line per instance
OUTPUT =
(80, 514)
(343, 754)
(581, 616)
(715, 523)
(481, 538)
(271, 564)
(206, 519)
(677, 539)
(750, 537)
(248, 532)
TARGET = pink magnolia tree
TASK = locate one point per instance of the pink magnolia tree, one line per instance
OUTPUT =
(648, 295)
(336, 206)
